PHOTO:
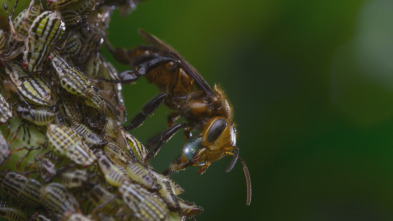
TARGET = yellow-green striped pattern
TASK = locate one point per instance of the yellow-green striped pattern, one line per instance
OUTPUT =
(189, 209)
(67, 142)
(70, 17)
(117, 154)
(174, 186)
(84, 6)
(103, 200)
(23, 21)
(73, 45)
(39, 116)
(136, 147)
(21, 188)
(12, 214)
(75, 178)
(4, 149)
(114, 175)
(46, 30)
(71, 79)
(36, 91)
(16, 73)
(138, 173)
(3, 39)
(61, 4)
(5, 111)
(55, 198)
(89, 136)
(167, 192)
(47, 169)
(146, 205)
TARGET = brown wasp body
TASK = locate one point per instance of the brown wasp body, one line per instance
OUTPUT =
(185, 91)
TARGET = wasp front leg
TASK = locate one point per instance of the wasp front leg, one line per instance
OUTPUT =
(156, 142)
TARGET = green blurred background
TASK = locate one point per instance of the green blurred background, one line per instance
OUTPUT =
(311, 83)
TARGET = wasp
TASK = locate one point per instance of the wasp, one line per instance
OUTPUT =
(187, 93)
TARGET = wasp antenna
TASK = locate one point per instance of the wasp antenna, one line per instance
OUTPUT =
(234, 159)
(248, 181)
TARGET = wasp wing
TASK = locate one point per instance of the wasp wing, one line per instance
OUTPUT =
(200, 81)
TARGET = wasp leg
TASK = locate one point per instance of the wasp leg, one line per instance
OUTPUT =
(147, 110)
(172, 118)
(177, 166)
(156, 142)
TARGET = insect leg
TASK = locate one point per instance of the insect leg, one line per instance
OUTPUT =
(172, 117)
(156, 142)
(147, 110)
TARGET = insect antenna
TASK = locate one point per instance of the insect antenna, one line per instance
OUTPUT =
(234, 159)
(248, 181)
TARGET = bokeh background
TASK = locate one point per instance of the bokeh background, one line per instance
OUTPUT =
(311, 83)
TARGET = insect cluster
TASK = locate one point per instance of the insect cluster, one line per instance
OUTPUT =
(63, 152)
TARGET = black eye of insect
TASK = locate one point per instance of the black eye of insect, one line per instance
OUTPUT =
(216, 129)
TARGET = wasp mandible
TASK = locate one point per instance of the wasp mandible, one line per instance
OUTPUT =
(187, 93)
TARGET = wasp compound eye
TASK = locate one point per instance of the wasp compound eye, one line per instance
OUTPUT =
(216, 130)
